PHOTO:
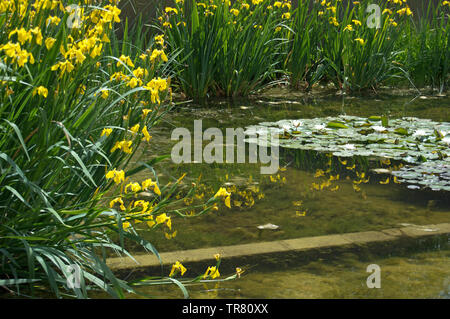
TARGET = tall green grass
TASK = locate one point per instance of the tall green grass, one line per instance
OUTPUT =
(226, 50)
(353, 55)
(407, 47)
(322, 41)
(370, 52)
(303, 63)
(427, 47)
(69, 95)
(199, 46)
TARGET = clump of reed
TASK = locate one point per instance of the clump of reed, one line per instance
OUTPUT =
(234, 49)
(75, 107)
(225, 49)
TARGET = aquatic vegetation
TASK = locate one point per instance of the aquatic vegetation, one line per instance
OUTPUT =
(326, 211)
(369, 53)
(425, 47)
(409, 140)
(434, 175)
(302, 58)
(355, 52)
(345, 44)
(177, 267)
(233, 49)
(66, 141)
(212, 274)
(224, 49)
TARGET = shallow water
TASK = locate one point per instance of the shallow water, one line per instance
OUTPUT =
(289, 200)
(415, 275)
(338, 208)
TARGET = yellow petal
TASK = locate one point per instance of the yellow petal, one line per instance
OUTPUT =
(228, 201)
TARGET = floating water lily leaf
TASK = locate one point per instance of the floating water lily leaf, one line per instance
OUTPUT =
(336, 125)
(433, 174)
(401, 131)
(438, 134)
(411, 140)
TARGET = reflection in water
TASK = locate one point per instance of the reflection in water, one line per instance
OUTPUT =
(419, 275)
(305, 202)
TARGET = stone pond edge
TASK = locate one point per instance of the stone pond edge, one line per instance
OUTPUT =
(273, 252)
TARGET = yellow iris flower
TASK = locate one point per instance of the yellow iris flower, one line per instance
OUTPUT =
(147, 136)
(117, 176)
(177, 267)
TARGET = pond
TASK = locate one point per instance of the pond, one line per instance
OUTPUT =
(303, 202)
(424, 274)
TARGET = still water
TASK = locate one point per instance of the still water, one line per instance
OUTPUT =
(414, 275)
(289, 200)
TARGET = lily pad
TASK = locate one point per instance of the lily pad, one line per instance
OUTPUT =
(336, 125)
(418, 142)
(434, 175)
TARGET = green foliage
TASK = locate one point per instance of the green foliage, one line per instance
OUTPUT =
(235, 49)
(302, 58)
(426, 52)
(225, 50)
(70, 96)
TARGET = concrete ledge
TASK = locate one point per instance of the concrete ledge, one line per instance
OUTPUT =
(282, 248)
